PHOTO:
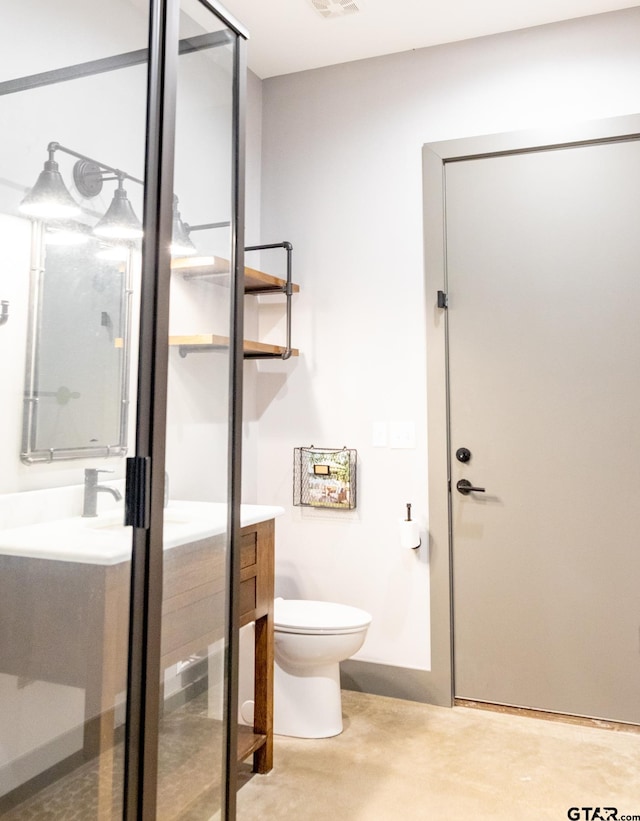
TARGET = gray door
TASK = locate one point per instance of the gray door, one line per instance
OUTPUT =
(543, 267)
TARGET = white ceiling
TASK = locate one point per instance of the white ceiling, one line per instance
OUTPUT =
(290, 35)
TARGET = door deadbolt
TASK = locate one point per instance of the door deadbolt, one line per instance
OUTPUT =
(463, 454)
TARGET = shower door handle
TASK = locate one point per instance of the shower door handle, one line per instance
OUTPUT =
(465, 487)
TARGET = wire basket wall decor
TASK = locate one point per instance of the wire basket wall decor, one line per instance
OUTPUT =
(324, 477)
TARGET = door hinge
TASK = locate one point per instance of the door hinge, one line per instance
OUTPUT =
(443, 300)
(136, 495)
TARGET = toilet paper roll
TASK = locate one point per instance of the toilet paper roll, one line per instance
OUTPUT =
(409, 534)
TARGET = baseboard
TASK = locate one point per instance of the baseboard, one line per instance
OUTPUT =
(385, 680)
(38, 782)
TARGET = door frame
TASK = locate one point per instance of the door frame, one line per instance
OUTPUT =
(435, 157)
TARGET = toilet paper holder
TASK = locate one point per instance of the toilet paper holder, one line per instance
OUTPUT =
(410, 532)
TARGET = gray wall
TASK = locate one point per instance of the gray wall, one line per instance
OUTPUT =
(342, 181)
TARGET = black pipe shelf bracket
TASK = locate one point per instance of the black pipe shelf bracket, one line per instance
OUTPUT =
(4, 311)
(217, 270)
(285, 288)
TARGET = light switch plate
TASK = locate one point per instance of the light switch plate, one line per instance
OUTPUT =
(402, 434)
(379, 434)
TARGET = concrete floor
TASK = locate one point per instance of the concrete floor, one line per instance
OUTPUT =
(402, 760)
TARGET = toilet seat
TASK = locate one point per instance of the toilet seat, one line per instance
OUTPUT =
(318, 617)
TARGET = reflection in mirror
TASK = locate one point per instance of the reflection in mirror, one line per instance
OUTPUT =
(76, 388)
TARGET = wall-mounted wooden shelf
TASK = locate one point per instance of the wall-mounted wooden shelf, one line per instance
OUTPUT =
(202, 343)
(217, 271)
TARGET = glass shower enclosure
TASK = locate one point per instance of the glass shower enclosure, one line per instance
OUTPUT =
(121, 164)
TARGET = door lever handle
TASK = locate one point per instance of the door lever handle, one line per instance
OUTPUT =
(465, 487)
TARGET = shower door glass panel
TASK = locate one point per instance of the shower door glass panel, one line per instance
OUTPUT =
(191, 733)
(65, 576)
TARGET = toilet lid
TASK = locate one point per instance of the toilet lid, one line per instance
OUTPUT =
(298, 615)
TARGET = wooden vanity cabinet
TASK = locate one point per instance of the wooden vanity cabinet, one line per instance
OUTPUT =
(256, 604)
(67, 623)
(193, 612)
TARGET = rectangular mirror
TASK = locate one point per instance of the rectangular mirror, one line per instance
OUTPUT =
(76, 386)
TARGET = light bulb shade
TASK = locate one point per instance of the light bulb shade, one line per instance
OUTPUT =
(49, 197)
(120, 221)
(181, 244)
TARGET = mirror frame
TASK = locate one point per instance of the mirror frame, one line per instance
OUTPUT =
(29, 454)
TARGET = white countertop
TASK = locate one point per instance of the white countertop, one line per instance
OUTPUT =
(104, 540)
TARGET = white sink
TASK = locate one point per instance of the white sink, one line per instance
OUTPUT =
(172, 516)
(105, 540)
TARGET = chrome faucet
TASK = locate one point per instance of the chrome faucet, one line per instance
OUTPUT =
(91, 490)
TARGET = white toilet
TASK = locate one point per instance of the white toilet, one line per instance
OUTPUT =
(311, 639)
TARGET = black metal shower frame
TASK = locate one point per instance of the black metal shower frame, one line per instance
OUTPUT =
(145, 471)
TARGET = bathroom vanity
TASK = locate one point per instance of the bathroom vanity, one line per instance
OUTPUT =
(194, 579)
(65, 591)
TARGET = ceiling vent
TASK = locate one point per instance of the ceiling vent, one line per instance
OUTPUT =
(335, 8)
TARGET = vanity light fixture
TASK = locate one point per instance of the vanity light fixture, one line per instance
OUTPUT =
(49, 197)
(120, 220)
(205, 226)
(181, 243)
